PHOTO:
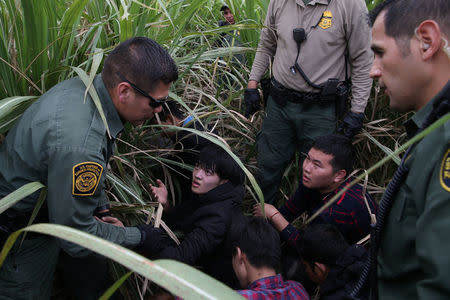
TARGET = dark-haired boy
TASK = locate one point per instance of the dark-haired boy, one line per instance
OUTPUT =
(228, 15)
(204, 216)
(329, 261)
(256, 257)
(325, 169)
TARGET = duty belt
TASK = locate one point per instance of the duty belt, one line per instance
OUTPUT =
(280, 91)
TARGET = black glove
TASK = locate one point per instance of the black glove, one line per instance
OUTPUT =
(151, 240)
(351, 124)
(252, 101)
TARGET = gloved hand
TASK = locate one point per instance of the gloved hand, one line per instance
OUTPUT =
(351, 124)
(252, 101)
(151, 240)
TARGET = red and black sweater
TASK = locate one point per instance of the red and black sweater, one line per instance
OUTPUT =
(349, 213)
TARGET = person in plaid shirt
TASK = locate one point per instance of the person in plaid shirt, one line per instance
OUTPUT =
(325, 169)
(256, 256)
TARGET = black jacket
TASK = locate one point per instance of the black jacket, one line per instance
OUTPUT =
(205, 221)
(344, 275)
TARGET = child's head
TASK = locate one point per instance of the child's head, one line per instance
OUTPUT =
(171, 113)
(319, 247)
(215, 167)
(256, 245)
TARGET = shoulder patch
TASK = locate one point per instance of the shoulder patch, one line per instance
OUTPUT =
(86, 177)
(444, 174)
(325, 22)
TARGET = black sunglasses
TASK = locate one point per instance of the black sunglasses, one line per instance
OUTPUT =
(153, 102)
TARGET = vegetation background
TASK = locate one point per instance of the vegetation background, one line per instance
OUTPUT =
(44, 42)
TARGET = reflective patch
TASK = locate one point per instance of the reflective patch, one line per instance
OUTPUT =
(444, 176)
(325, 22)
(86, 177)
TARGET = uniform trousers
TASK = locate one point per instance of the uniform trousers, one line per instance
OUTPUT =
(284, 130)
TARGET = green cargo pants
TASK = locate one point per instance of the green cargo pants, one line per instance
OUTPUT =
(284, 130)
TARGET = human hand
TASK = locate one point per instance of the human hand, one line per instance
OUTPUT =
(110, 220)
(252, 101)
(160, 193)
(151, 240)
(269, 210)
(351, 124)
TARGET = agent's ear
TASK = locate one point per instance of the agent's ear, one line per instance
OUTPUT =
(321, 271)
(429, 35)
(123, 91)
(340, 175)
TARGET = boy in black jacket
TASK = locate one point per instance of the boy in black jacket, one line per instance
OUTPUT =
(204, 216)
(330, 261)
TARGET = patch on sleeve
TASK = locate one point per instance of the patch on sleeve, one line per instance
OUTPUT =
(444, 174)
(86, 177)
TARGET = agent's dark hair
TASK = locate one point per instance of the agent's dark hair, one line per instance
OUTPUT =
(340, 147)
(258, 240)
(171, 108)
(140, 60)
(216, 159)
(222, 9)
(322, 243)
(403, 16)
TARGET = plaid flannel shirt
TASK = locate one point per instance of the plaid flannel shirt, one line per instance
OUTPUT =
(274, 287)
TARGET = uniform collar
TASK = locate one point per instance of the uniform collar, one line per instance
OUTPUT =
(312, 2)
(417, 120)
(112, 116)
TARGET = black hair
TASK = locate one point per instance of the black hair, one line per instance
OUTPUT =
(403, 16)
(322, 243)
(338, 146)
(257, 239)
(171, 108)
(222, 9)
(140, 60)
(215, 158)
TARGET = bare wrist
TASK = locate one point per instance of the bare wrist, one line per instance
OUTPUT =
(252, 84)
(273, 215)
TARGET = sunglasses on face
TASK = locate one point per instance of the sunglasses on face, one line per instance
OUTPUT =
(153, 102)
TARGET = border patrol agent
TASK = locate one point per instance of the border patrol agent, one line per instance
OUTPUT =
(412, 63)
(307, 41)
(62, 142)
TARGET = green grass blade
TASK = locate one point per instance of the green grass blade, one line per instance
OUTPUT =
(385, 149)
(109, 292)
(178, 278)
(22, 192)
(119, 183)
(93, 93)
(11, 108)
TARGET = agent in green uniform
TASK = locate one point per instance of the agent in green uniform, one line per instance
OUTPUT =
(62, 142)
(309, 37)
(412, 64)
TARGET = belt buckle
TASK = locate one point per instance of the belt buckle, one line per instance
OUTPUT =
(297, 97)
(309, 98)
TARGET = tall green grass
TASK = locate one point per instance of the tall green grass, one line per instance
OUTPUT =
(44, 42)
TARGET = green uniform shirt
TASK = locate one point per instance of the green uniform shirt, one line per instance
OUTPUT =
(62, 142)
(414, 253)
(341, 25)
